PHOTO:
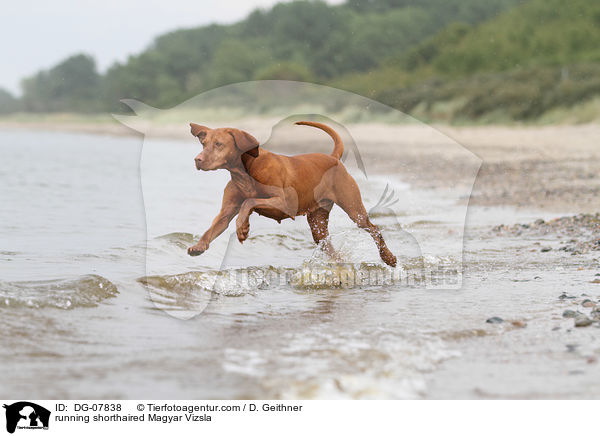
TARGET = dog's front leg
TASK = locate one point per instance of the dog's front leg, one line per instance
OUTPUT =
(249, 205)
(229, 208)
(218, 226)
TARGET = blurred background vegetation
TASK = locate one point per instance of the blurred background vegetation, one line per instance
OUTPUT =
(458, 61)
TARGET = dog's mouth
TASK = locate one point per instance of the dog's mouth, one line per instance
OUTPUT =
(206, 166)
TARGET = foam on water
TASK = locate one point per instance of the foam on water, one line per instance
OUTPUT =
(180, 239)
(85, 291)
(356, 364)
(192, 283)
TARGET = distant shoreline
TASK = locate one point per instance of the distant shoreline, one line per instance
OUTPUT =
(101, 124)
(546, 167)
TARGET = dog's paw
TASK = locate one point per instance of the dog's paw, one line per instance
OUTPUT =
(388, 257)
(242, 231)
(198, 249)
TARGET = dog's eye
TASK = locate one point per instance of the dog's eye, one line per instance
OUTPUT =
(219, 144)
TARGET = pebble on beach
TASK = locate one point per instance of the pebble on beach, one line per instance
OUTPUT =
(582, 321)
(588, 303)
(564, 296)
(570, 314)
(580, 234)
(494, 320)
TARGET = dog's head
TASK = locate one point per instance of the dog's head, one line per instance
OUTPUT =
(222, 148)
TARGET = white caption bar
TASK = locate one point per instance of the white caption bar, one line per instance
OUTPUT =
(292, 417)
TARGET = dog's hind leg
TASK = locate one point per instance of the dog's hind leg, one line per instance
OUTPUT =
(348, 198)
(318, 220)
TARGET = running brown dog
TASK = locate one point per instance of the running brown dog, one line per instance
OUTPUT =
(280, 187)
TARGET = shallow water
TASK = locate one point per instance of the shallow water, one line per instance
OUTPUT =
(98, 298)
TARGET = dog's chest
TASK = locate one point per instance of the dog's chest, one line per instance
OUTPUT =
(251, 187)
(246, 186)
(272, 213)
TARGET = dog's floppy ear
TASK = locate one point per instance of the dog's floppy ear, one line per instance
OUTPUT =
(199, 131)
(245, 142)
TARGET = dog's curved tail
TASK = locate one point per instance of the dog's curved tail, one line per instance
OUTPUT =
(338, 147)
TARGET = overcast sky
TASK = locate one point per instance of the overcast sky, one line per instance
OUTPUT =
(36, 34)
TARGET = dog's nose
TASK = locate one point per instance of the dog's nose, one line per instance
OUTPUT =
(198, 159)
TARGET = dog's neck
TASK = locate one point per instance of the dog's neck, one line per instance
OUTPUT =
(243, 180)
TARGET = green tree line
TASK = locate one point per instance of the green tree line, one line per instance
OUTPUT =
(476, 57)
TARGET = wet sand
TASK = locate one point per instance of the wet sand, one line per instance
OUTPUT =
(553, 168)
